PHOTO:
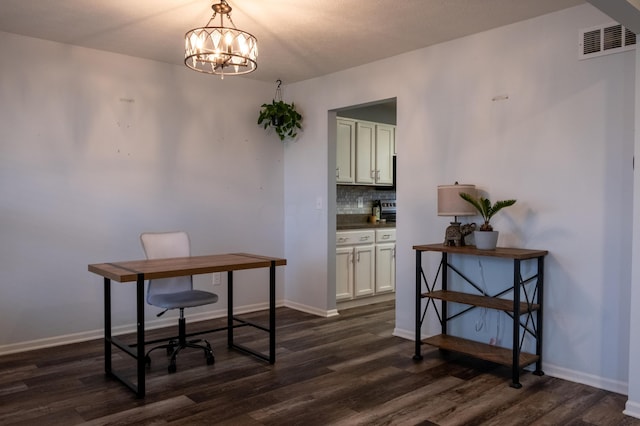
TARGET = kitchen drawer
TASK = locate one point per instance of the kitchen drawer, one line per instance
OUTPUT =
(387, 235)
(349, 238)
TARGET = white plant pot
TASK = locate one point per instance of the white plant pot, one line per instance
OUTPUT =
(486, 240)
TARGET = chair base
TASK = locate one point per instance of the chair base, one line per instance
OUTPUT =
(174, 347)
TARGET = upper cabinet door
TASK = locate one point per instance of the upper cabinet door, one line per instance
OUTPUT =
(365, 152)
(346, 151)
(385, 143)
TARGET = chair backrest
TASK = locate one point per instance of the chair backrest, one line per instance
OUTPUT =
(161, 245)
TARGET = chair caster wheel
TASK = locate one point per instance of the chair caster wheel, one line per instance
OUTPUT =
(210, 359)
(171, 346)
(172, 368)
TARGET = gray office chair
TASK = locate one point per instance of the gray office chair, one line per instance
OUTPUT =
(175, 293)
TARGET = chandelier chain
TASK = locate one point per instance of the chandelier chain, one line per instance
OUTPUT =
(231, 20)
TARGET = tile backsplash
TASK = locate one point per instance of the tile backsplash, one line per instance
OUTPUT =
(347, 198)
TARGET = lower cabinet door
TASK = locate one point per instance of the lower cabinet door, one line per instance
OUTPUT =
(364, 270)
(344, 273)
(385, 267)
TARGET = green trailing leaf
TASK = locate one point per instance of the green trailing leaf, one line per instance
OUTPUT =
(282, 117)
(485, 208)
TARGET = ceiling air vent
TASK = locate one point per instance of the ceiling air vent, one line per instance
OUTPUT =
(605, 39)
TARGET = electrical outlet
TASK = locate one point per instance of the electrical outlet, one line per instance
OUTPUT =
(216, 278)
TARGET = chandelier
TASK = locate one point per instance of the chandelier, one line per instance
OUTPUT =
(220, 50)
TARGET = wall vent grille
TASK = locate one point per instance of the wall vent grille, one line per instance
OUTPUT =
(604, 40)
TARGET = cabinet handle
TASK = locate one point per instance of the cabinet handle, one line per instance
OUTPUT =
(365, 238)
(377, 174)
(358, 257)
(373, 174)
(386, 236)
(337, 171)
(342, 239)
(393, 253)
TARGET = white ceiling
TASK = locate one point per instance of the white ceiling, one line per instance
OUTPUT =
(297, 39)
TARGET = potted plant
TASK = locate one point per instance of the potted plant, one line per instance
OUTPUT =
(486, 238)
(282, 117)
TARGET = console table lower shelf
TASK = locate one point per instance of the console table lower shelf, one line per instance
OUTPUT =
(479, 350)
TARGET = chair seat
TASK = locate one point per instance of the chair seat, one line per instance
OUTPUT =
(183, 299)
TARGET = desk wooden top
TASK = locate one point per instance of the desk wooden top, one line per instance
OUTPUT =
(504, 252)
(128, 271)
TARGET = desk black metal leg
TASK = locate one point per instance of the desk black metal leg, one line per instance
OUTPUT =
(109, 340)
(107, 326)
(272, 313)
(140, 343)
(418, 296)
(515, 367)
(233, 322)
(230, 309)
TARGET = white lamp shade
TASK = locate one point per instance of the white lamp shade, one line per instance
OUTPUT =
(451, 204)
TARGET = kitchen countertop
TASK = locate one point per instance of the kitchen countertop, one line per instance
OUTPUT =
(345, 222)
(365, 225)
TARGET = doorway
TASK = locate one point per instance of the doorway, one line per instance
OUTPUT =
(365, 273)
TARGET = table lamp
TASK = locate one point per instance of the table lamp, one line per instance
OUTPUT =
(451, 204)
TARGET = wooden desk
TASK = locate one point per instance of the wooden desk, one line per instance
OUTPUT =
(140, 270)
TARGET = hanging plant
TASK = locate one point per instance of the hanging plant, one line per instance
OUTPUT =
(281, 116)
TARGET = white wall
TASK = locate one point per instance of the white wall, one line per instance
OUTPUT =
(96, 148)
(562, 144)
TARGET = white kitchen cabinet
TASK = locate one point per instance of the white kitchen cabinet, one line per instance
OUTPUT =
(385, 260)
(364, 270)
(364, 153)
(346, 151)
(344, 273)
(385, 143)
(355, 264)
(395, 145)
(365, 263)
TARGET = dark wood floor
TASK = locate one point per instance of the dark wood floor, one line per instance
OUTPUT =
(346, 370)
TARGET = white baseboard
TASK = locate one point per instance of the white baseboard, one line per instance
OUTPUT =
(405, 334)
(125, 329)
(310, 309)
(632, 409)
(51, 341)
(585, 378)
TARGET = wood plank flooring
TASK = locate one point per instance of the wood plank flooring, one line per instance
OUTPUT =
(347, 370)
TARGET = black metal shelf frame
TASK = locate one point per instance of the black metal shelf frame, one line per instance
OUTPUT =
(530, 325)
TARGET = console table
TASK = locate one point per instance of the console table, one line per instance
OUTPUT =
(524, 303)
